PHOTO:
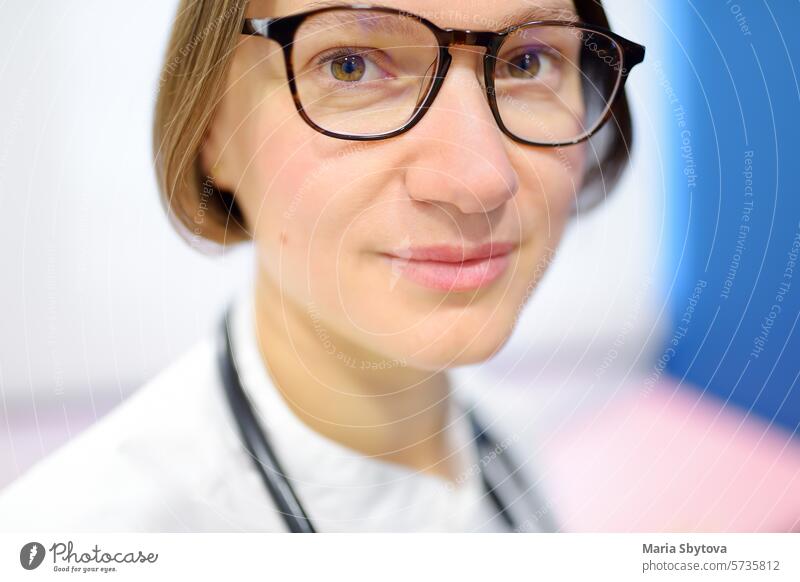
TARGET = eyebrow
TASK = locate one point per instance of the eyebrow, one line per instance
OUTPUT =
(365, 22)
(542, 12)
(545, 10)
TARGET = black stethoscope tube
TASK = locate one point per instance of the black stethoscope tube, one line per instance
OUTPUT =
(270, 470)
(261, 452)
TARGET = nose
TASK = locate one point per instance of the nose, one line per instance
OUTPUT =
(459, 153)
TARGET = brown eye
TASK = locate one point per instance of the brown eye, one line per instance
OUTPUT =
(348, 68)
(525, 66)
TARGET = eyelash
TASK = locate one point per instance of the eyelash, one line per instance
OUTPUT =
(344, 51)
(555, 56)
(371, 54)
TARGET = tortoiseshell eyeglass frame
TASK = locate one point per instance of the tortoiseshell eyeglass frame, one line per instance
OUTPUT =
(283, 30)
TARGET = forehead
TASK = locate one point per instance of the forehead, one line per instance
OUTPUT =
(471, 14)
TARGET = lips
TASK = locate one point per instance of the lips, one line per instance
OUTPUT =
(452, 267)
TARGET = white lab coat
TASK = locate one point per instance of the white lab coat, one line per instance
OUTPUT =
(170, 459)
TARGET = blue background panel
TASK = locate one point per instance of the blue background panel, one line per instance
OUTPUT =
(735, 203)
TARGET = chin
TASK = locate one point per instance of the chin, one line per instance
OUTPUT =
(459, 349)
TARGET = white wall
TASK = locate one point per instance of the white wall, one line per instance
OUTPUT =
(97, 291)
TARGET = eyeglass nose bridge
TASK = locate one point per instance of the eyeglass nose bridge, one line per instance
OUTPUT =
(485, 38)
(449, 37)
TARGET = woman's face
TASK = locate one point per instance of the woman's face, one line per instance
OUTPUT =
(367, 241)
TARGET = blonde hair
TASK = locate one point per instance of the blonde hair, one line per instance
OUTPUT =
(204, 36)
(193, 79)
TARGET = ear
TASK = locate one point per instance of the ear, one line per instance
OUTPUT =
(219, 151)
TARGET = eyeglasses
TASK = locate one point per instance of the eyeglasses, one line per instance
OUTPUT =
(369, 73)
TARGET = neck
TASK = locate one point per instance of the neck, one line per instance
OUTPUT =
(397, 413)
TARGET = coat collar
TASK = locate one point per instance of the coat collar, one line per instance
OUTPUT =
(344, 490)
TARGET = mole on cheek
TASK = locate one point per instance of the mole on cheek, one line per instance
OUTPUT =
(283, 238)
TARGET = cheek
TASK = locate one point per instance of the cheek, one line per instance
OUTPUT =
(309, 199)
(550, 180)
(320, 208)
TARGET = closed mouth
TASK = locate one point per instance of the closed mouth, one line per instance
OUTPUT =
(452, 267)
